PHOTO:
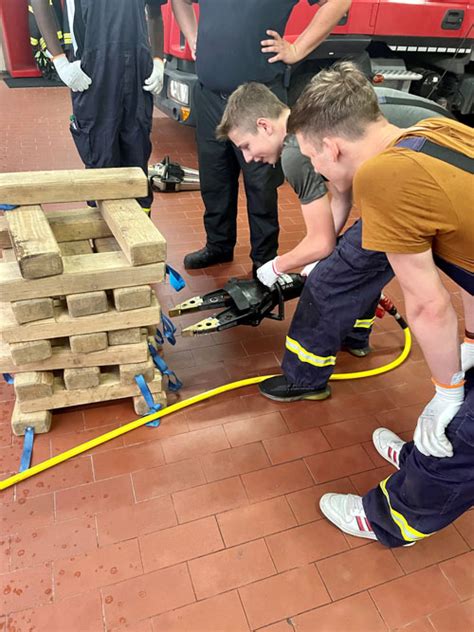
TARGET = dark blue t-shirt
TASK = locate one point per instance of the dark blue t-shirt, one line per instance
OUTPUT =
(228, 51)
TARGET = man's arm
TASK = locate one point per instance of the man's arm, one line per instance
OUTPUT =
(70, 73)
(323, 22)
(155, 29)
(320, 238)
(46, 20)
(186, 19)
(430, 312)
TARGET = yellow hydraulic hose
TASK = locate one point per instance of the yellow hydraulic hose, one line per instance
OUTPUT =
(88, 445)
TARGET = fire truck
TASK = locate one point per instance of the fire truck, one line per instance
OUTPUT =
(419, 46)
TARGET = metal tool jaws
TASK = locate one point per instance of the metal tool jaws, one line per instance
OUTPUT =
(248, 302)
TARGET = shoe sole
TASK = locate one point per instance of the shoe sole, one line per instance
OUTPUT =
(298, 398)
(382, 454)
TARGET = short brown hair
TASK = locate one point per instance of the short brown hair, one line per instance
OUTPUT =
(245, 106)
(337, 101)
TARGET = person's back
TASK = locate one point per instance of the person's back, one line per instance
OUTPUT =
(229, 41)
(404, 109)
(411, 184)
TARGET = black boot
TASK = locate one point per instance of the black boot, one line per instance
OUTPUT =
(206, 257)
(358, 352)
(279, 389)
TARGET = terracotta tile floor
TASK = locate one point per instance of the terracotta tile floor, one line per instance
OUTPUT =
(210, 522)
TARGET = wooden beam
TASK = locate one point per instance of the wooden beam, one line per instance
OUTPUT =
(85, 223)
(72, 185)
(63, 358)
(63, 324)
(99, 271)
(138, 237)
(35, 246)
(109, 388)
(79, 247)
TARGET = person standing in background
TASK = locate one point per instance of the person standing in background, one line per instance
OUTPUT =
(113, 76)
(230, 49)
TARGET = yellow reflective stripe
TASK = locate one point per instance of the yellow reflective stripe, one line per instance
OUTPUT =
(67, 38)
(33, 41)
(364, 323)
(60, 34)
(409, 534)
(307, 356)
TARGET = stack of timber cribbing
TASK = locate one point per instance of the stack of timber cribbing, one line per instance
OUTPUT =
(76, 290)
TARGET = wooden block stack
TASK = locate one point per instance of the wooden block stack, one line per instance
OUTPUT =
(76, 291)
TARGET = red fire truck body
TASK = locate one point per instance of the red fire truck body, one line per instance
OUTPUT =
(421, 46)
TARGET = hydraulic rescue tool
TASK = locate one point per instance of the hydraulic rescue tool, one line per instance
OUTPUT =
(167, 176)
(247, 302)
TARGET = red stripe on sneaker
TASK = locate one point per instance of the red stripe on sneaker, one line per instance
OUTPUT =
(395, 457)
(390, 453)
(369, 526)
(360, 523)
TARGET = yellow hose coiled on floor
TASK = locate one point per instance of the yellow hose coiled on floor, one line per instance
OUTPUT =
(93, 443)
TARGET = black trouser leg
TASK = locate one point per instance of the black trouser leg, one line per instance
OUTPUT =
(218, 171)
(261, 187)
(136, 123)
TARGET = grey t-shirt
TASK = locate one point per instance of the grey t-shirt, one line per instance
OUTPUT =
(298, 170)
(310, 185)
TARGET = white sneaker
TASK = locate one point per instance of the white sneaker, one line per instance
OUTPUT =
(388, 445)
(347, 512)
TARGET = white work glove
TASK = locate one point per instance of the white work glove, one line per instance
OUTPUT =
(71, 73)
(429, 437)
(309, 268)
(467, 354)
(268, 273)
(154, 83)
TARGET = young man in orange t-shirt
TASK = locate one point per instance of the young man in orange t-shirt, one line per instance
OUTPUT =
(413, 189)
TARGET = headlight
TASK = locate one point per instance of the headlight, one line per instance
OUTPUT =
(178, 91)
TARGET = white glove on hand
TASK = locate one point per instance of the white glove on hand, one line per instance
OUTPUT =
(71, 73)
(429, 437)
(467, 354)
(154, 83)
(268, 273)
(308, 268)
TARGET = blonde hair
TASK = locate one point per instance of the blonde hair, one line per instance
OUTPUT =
(245, 106)
(338, 101)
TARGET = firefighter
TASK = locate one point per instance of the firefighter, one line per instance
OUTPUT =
(227, 50)
(413, 189)
(112, 75)
(344, 289)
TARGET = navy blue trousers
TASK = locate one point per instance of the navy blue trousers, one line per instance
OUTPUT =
(113, 117)
(427, 493)
(336, 309)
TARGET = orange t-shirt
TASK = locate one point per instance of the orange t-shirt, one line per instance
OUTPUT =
(410, 202)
